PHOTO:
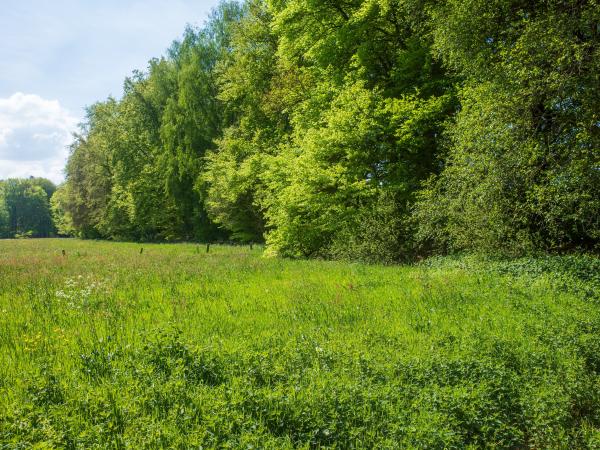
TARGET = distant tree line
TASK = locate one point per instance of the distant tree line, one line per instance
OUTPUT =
(378, 130)
(25, 208)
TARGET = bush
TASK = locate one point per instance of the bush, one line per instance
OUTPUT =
(377, 233)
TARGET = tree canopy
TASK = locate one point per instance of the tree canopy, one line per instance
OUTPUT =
(379, 130)
(25, 208)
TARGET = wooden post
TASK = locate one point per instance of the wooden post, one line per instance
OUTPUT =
(141, 250)
(208, 247)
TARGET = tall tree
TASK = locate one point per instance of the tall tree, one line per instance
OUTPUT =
(522, 170)
(63, 222)
(251, 88)
(89, 172)
(367, 128)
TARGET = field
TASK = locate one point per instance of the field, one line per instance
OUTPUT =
(109, 346)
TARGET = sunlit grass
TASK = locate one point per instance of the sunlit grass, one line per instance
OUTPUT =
(108, 346)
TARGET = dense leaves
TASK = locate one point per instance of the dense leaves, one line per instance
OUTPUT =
(25, 208)
(378, 130)
(523, 165)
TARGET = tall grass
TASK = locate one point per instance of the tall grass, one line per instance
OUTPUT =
(107, 347)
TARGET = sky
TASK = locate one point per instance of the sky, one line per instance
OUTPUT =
(59, 56)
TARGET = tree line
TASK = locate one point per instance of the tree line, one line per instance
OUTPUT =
(379, 130)
(25, 208)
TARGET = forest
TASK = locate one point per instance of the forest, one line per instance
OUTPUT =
(374, 130)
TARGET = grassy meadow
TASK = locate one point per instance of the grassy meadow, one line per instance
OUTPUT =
(110, 347)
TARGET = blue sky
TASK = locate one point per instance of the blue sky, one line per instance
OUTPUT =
(56, 57)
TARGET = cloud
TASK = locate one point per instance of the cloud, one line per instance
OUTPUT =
(80, 51)
(34, 136)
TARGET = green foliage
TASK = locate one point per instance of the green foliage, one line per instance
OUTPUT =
(365, 147)
(579, 274)
(522, 169)
(89, 170)
(63, 222)
(4, 215)
(380, 130)
(254, 93)
(176, 349)
(133, 172)
(25, 207)
(193, 119)
(233, 179)
(366, 127)
(377, 233)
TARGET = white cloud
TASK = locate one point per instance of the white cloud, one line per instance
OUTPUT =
(80, 51)
(34, 136)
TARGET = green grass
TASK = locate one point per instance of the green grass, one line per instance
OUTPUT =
(175, 348)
